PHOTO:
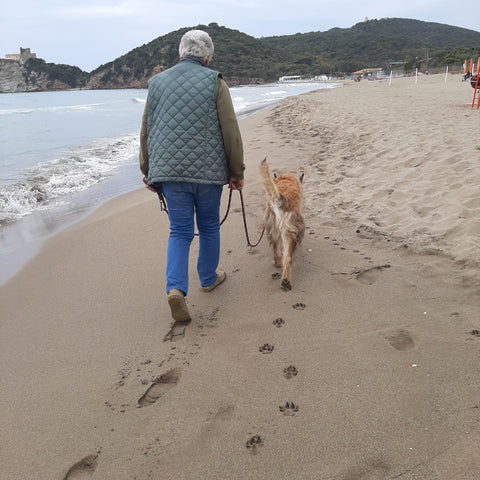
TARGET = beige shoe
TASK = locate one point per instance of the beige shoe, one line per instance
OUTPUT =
(221, 276)
(178, 305)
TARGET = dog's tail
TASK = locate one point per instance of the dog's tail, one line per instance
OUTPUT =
(270, 188)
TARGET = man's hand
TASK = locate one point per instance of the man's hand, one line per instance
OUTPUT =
(145, 181)
(235, 184)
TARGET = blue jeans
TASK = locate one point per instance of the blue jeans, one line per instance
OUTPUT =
(184, 202)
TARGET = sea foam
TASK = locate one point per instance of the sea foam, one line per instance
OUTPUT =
(79, 169)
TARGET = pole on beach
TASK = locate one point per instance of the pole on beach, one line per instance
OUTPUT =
(446, 74)
(478, 82)
(416, 76)
(390, 81)
(475, 83)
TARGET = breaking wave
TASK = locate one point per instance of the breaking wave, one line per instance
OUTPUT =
(79, 169)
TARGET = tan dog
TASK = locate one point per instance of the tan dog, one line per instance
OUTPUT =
(284, 220)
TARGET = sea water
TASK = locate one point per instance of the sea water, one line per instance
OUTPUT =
(64, 153)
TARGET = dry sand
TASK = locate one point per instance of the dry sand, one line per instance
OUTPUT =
(380, 333)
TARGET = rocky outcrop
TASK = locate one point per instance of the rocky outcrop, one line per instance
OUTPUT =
(106, 80)
(124, 77)
(15, 77)
(11, 77)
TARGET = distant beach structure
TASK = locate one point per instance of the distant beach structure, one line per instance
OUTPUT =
(302, 79)
(22, 57)
(369, 73)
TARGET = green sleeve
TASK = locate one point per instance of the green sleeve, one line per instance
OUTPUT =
(230, 130)
(143, 143)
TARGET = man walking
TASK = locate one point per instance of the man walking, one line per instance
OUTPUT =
(190, 146)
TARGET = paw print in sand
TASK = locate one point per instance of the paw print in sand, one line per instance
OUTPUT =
(254, 442)
(299, 306)
(278, 322)
(289, 408)
(290, 371)
(266, 348)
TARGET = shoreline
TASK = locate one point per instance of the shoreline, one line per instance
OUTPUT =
(379, 327)
(23, 238)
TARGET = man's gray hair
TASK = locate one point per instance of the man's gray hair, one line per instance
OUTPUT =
(196, 43)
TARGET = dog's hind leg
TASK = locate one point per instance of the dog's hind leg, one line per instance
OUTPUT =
(273, 235)
(276, 242)
(277, 253)
(289, 245)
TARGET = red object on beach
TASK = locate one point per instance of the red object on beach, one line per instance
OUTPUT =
(475, 83)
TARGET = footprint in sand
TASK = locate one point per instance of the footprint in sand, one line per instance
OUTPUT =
(177, 332)
(217, 423)
(370, 276)
(373, 469)
(401, 340)
(159, 387)
(83, 469)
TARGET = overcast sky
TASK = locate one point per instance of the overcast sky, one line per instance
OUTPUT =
(89, 33)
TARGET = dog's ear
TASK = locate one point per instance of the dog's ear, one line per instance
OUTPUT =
(301, 178)
(275, 175)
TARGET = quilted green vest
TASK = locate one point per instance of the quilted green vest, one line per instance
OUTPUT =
(185, 142)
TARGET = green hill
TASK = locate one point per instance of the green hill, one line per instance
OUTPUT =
(244, 59)
(375, 43)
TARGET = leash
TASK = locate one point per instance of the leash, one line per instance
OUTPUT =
(249, 243)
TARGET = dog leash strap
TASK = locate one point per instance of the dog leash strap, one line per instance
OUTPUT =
(228, 207)
(245, 223)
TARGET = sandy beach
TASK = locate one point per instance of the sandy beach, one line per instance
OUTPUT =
(372, 365)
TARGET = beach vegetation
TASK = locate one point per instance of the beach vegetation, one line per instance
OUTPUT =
(72, 76)
(452, 56)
